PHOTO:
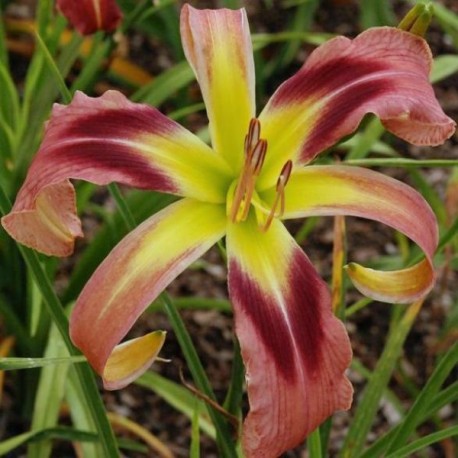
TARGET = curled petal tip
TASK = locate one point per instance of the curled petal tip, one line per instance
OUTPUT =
(398, 286)
(131, 359)
(50, 225)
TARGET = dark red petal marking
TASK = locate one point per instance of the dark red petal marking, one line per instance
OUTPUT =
(324, 79)
(342, 107)
(304, 317)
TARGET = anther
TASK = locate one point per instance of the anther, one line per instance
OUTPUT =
(282, 181)
(258, 156)
(253, 135)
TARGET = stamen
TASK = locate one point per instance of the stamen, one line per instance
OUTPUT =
(255, 153)
(282, 181)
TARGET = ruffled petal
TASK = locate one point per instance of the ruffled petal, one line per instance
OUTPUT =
(295, 351)
(383, 71)
(131, 277)
(217, 44)
(354, 191)
(89, 16)
(103, 140)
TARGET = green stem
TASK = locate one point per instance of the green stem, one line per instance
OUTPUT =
(56, 311)
(401, 162)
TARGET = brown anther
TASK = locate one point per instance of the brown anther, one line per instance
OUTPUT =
(282, 181)
(253, 135)
(258, 156)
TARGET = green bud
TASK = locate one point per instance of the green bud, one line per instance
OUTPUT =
(417, 20)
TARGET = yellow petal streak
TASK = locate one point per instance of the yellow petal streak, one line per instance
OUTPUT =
(218, 46)
(285, 128)
(201, 173)
(130, 358)
(229, 120)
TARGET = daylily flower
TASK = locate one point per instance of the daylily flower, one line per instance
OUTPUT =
(295, 351)
(89, 16)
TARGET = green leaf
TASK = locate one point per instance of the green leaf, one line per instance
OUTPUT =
(9, 101)
(377, 384)
(302, 21)
(165, 85)
(314, 444)
(429, 193)
(401, 162)
(80, 413)
(366, 141)
(261, 40)
(196, 303)
(61, 432)
(194, 451)
(376, 13)
(443, 67)
(50, 392)
(94, 64)
(448, 21)
(66, 95)
(422, 443)
(421, 404)
(437, 402)
(12, 364)
(224, 439)
(178, 397)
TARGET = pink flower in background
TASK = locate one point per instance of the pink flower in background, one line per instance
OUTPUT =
(256, 174)
(89, 16)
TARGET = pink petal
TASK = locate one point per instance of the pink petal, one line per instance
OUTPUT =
(295, 350)
(89, 16)
(102, 140)
(383, 71)
(133, 275)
